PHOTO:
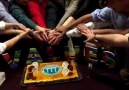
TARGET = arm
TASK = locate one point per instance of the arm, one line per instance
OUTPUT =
(20, 15)
(71, 8)
(113, 40)
(63, 29)
(13, 41)
(10, 43)
(6, 26)
(38, 12)
(98, 15)
(68, 21)
(83, 19)
(111, 31)
(83, 7)
(5, 15)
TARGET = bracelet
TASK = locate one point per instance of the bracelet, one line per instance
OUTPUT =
(31, 34)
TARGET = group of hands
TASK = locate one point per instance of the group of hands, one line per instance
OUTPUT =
(54, 36)
(41, 35)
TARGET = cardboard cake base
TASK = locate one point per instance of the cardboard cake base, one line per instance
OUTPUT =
(51, 73)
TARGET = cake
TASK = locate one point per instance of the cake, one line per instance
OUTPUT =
(39, 73)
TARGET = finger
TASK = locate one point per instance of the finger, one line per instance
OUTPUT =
(56, 33)
(47, 29)
(37, 37)
(51, 37)
(85, 34)
(58, 39)
(43, 37)
(52, 40)
(79, 27)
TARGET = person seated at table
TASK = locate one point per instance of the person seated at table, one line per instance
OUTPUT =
(115, 39)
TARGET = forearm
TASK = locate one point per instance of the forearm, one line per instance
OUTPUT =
(68, 21)
(111, 31)
(21, 17)
(9, 32)
(113, 40)
(9, 25)
(83, 19)
(13, 41)
(71, 9)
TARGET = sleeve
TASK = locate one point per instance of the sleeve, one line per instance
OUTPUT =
(38, 12)
(2, 25)
(70, 10)
(51, 15)
(102, 14)
(6, 16)
(2, 47)
(83, 8)
(20, 15)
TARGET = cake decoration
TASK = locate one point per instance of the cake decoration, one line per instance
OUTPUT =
(51, 69)
(51, 72)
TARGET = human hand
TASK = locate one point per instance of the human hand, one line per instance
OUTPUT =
(37, 37)
(19, 26)
(57, 35)
(54, 37)
(61, 29)
(86, 32)
(42, 33)
(25, 33)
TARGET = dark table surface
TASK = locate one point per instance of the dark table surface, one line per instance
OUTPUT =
(96, 82)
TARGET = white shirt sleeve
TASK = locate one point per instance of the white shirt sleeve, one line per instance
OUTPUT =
(2, 47)
(75, 33)
(2, 25)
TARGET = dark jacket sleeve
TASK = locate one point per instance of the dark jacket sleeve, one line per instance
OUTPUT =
(51, 15)
(20, 15)
(85, 7)
(54, 13)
